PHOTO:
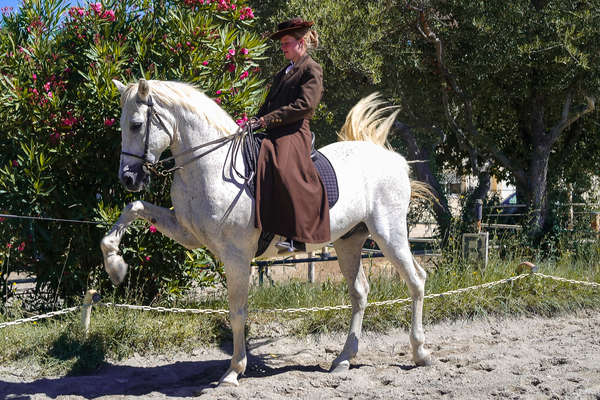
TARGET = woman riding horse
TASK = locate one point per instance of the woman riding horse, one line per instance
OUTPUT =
(290, 198)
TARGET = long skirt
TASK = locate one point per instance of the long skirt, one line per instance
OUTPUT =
(290, 198)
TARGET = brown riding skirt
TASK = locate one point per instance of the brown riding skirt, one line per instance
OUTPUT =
(290, 197)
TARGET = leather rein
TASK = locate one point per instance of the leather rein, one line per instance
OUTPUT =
(156, 167)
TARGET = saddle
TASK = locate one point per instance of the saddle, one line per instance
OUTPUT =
(321, 163)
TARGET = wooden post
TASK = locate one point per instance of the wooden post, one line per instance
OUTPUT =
(311, 267)
(478, 214)
(596, 222)
(570, 225)
(86, 310)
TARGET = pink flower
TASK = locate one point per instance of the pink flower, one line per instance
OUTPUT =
(69, 121)
(147, 258)
(47, 86)
(50, 94)
(55, 138)
(8, 246)
(218, 100)
(231, 52)
(34, 91)
(246, 12)
(244, 75)
(244, 50)
(242, 121)
(34, 76)
(152, 229)
(15, 163)
(231, 67)
(204, 63)
(109, 15)
(21, 246)
(109, 121)
(218, 91)
(97, 7)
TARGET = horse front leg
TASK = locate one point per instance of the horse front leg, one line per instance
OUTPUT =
(164, 220)
(237, 270)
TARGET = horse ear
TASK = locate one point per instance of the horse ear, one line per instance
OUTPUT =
(119, 86)
(143, 89)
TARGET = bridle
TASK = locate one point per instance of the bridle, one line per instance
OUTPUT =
(155, 167)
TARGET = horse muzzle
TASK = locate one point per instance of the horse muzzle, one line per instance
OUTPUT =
(133, 177)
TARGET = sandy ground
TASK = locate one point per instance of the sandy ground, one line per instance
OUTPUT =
(526, 358)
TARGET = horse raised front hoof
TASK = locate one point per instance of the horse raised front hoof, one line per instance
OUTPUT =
(229, 379)
(116, 268)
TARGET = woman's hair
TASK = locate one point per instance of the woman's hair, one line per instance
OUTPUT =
(311, 38)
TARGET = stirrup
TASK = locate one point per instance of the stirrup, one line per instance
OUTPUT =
(290, 245)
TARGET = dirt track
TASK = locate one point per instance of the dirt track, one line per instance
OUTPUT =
(528, 358)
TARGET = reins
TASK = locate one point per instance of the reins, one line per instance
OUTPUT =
(155, 167)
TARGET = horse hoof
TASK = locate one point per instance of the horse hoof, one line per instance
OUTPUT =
(423, 361)
(229, 379)
(340, 367)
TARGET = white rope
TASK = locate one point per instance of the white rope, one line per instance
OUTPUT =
(53, 219)
(559, 279)
(38, 317)
(304, 309)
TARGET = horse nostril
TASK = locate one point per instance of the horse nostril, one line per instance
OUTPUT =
(128, 181)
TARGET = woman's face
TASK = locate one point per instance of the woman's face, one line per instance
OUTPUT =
(292, 49)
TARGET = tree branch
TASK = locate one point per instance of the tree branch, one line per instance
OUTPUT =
(565, 121)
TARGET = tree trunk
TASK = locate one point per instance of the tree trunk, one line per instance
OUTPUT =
(423, 173)
(536, 188)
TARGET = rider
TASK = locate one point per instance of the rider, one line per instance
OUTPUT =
(290, 197)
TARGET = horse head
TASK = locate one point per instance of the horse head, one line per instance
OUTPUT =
(144, 133)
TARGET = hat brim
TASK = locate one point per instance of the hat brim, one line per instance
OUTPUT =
(287, 31)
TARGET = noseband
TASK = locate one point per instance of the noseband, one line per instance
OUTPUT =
(155, 167)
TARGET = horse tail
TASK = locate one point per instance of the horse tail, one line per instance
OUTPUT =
(423, 191)
(367, 121)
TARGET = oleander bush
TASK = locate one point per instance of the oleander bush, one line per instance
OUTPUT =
(60, 143)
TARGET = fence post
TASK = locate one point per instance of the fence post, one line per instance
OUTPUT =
(596, 222)
(478, 214)
(86, 309)
(311, 267)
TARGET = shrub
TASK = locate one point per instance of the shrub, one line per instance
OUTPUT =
(60, 142)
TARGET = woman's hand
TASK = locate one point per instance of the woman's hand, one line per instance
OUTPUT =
(257, 123)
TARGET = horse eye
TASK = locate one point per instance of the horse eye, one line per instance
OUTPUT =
(135, 126)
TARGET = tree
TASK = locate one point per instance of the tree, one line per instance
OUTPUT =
(508, 87)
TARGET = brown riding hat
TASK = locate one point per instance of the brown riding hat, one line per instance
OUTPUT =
(291, 26)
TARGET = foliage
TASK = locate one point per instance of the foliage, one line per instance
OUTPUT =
(59, 147)
(490, 100)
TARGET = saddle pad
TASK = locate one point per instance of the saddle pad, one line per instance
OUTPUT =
(322, 164)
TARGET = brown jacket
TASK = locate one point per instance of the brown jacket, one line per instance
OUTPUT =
(290, 198)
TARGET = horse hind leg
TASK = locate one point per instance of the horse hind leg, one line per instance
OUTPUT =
(349, 258)
(395, 247)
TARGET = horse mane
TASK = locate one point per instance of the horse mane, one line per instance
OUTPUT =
(179, 94)
(367, 121)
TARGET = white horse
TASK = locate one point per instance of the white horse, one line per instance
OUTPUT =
(212, 207)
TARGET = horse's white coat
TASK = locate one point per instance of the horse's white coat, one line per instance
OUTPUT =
(212, 208)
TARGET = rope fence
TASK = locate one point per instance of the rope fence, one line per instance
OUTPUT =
(92, 298)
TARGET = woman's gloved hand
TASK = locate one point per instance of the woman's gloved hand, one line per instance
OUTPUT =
(256, 123)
